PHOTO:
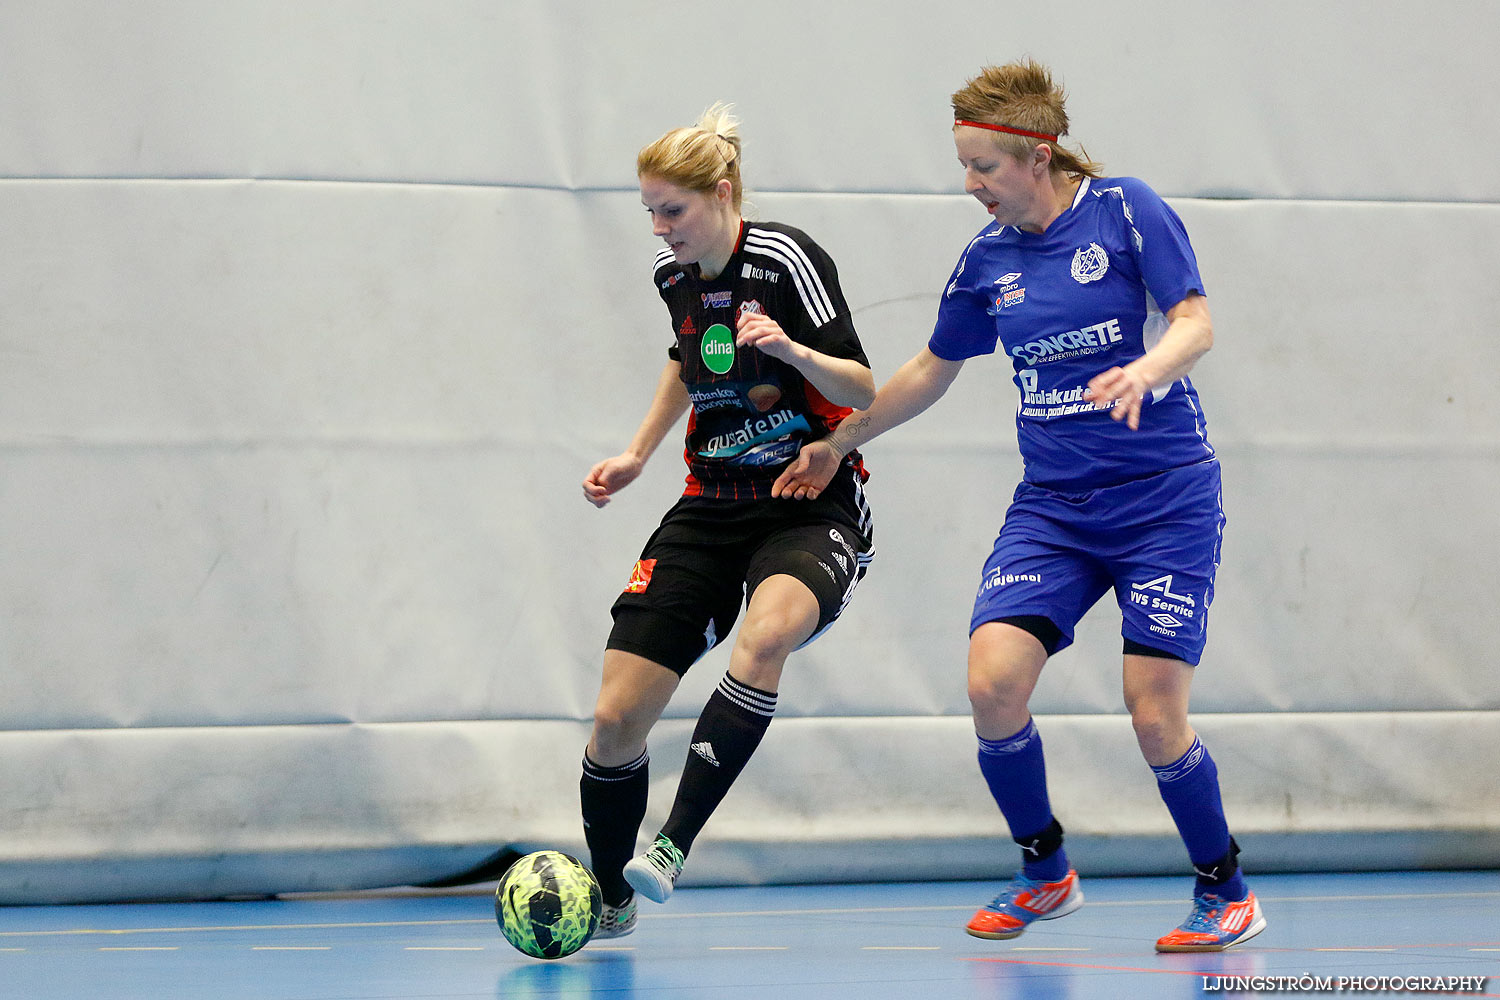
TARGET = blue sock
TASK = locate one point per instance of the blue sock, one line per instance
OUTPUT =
(1190, 788)
(1016, 772)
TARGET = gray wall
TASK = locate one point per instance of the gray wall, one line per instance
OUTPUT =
(314, 315)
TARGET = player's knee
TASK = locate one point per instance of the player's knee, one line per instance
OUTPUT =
(996, 693)
(766, 640)
(1156, 729)
(620, 728)
(784, 610)
(762, 647)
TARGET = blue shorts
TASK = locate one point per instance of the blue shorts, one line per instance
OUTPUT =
(1155, 541)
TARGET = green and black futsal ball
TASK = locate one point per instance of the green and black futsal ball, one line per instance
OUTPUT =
(548, 904)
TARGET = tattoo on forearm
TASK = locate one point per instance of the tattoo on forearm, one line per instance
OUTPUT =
(847, 432)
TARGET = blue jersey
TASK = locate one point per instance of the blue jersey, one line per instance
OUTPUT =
(1085, 296)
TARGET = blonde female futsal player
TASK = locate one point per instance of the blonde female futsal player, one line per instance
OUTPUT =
(765, 359)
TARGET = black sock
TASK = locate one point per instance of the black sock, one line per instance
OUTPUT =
(727, 733)
(614, 803)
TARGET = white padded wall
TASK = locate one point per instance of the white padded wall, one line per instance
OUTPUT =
(313, 318)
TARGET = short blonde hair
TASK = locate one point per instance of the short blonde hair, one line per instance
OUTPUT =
(1022, 95)
(697, 157)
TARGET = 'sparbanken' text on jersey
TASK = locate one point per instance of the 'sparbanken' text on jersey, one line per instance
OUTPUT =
(751, 413)
(1085, 296)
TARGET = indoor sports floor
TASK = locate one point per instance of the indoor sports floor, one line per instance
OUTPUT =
(784, 943)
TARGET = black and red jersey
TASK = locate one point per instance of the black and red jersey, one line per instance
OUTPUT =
(751, 413)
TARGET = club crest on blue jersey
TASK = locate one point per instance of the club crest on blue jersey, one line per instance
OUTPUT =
(1090, 264)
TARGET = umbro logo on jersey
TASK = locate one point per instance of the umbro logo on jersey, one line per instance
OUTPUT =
(706, 751)
(1006, 279)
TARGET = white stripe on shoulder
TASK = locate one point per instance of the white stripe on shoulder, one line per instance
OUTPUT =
(1083, 189)
(963, 258)
(664, 256)
(795, 249)
(809, 284)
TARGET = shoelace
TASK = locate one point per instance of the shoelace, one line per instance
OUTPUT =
(1205, 913)
(665, 855)
(1008, 895)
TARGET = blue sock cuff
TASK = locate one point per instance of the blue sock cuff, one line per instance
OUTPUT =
(1184, 765)
(1014, 743)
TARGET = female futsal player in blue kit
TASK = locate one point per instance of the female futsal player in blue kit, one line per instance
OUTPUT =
(1090, 286)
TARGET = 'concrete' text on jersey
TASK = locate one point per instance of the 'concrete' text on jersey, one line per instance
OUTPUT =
(1068, 304)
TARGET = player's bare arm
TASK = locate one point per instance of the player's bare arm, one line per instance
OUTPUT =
(1189, 336)
(842, 381)
(916, 385)
(614, 474)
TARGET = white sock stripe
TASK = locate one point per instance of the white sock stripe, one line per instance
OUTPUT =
(622, 773)
(1013, 744)
(747, 698)
(1184, 765)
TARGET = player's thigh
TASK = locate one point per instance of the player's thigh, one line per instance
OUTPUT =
(827, 558)
(1164, 580)
(1034, 570)
(682, 600)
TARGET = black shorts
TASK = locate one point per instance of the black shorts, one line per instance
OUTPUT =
(708, 555)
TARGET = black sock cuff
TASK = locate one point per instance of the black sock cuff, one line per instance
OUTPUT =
(625, 771)
(746, 698)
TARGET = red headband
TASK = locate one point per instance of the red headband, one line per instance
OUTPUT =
(1006, 128)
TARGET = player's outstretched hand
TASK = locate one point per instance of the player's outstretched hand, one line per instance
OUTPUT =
(809, 473)
(764, 334)
(609, 477)
(1121, 389)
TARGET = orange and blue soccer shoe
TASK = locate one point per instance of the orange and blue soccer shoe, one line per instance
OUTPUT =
(1023, 901)
(1215, 924)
